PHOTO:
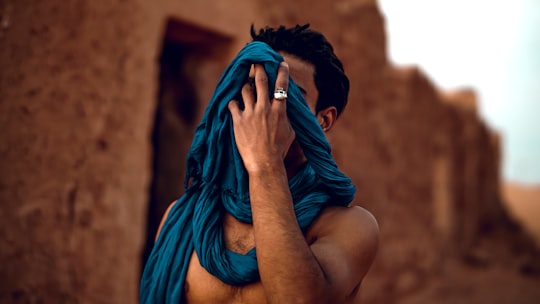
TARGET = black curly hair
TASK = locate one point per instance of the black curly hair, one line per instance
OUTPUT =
(311, 46)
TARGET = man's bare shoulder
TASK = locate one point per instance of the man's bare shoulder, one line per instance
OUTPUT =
(353, 220)
(345, 241)
(164, 218)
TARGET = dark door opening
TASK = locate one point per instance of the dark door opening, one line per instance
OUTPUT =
(176, 114)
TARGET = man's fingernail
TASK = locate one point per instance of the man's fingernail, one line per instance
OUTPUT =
(284, 64)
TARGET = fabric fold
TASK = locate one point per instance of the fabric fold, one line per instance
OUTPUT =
(219, 184)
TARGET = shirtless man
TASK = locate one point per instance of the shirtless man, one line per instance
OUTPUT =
(327, 263)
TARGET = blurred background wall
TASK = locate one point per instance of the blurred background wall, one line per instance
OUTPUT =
(98, 104)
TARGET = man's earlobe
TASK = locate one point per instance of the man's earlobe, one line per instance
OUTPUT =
(323, 125)
(326, 118)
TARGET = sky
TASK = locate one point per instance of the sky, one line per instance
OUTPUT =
(492, 46)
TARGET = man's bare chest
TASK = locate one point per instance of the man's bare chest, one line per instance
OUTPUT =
(238, 236)
(203, 287)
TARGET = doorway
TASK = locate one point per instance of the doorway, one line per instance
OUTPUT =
(187, 51)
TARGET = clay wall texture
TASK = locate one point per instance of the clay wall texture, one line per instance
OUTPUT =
(86, 105)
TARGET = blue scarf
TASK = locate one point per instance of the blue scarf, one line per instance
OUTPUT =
(218, 183)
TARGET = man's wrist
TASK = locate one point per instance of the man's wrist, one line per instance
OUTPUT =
(265, 168)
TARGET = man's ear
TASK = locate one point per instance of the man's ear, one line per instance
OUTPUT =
(327, 117)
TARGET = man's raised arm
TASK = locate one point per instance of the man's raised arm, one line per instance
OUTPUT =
(332, 267)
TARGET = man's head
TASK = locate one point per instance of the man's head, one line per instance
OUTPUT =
(302, 43)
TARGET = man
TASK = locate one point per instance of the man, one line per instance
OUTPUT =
(323, 262)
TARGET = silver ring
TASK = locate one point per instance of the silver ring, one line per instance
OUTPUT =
(280, 94)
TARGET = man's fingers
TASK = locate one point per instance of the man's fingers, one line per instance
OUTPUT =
(234, 108)
(261, 82)
(282, 80)
(282, 85)
(261, 100)
(248, 95)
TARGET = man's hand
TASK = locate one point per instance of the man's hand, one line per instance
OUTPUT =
(262, 130)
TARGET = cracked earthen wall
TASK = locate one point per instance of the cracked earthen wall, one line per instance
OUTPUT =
(75, 116)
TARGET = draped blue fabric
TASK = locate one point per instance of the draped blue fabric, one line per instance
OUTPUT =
(218, 183)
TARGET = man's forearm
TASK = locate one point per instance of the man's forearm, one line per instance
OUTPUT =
(288, 269)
